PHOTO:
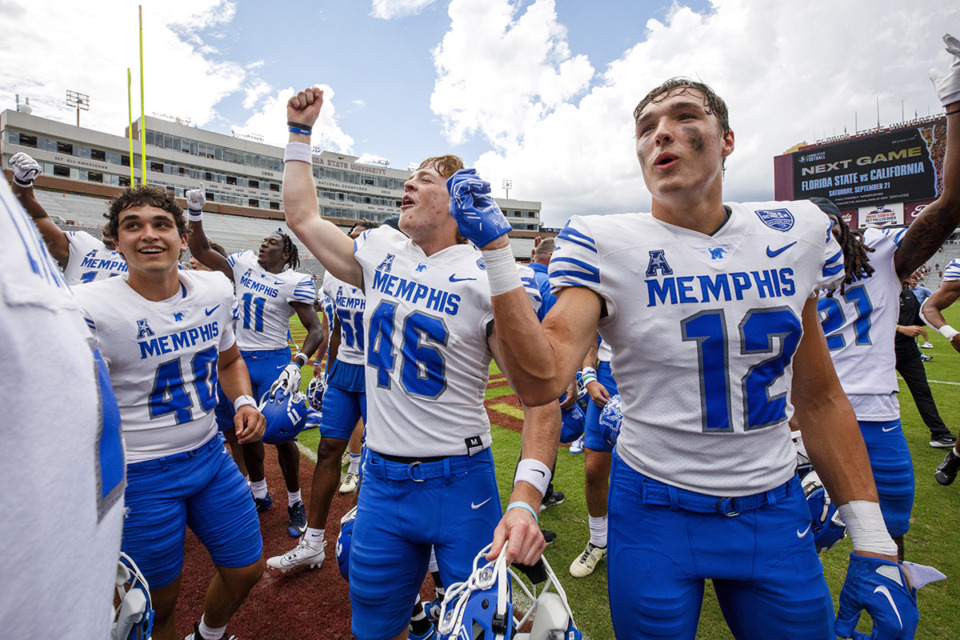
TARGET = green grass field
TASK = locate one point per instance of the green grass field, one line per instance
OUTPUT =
(933, 538)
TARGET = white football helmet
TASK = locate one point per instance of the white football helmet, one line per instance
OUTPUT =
(483, 606)
(133, 619)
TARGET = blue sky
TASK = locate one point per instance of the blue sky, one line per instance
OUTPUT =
(536, 91)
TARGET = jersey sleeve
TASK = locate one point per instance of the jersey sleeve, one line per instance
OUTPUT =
(896, 235)
(304, 292)
(233, 258)
(575, 262)
(832, 272)
(952, 272)
(529, 280)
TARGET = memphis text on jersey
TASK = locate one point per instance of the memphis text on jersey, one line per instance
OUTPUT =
(152, 345)
(670, 289)
(247, 281)
(420, 294)
(91, 261)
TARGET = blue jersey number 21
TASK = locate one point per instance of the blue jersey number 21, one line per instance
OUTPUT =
(423, 367)
(758, 329)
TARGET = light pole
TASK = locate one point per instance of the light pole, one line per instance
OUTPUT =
(78, 100)
(507, 185)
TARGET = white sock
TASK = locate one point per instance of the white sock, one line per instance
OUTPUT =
(209, 633)
(598, 531)
(293, 497)
(259, 489)
(314, 537)
(354, 463)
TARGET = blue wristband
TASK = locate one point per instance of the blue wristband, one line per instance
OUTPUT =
(305, 132)
(524, 505)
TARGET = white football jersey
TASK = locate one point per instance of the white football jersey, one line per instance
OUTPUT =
(703, 330)
(860, 325)
(65, 493)
(529, 279)
(604, 353)
(90, 260)
(952, 272)
(264, 302)
(428, 360)
(163, 358)
(348, 305)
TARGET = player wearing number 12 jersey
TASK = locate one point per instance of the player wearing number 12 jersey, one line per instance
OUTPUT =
(703, 482)
(167, 337)
(428, 474)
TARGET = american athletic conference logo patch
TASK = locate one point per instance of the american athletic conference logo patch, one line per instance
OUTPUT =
(779, 219)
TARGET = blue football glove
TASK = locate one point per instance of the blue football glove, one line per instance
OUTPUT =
(879, 586)
(478, 217)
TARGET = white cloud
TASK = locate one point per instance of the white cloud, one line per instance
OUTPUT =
(789, 71)
(253, 92)
(270, 121)
(49, 47)
(390, 9)
(500, 73)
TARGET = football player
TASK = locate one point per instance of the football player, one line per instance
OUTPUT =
(83, 257)
(344, 405)
(77, 485)
(167, 337)
(932, 312)
(269, 292)
(597, 456)
(428, 472)
(703, 478)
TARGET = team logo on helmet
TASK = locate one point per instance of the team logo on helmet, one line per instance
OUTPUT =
(610, 420)
(779, 219)
(286, 416)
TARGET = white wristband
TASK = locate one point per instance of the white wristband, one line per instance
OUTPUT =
(501, 270)
(535, 473)
(299, 356)
(867, 530)
(195, 216)
(298, 152)
(243, 400)
(588, 374)
(948, 332)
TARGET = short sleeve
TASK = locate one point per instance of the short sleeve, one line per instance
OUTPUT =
(575, 261)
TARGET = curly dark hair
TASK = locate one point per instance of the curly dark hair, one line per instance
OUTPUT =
(856, 262)
(289, 248)
(142, 196)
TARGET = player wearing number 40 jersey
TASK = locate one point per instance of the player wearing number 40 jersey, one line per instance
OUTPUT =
(167, 337)
(83, 257)
(428, 475)
(703, 483)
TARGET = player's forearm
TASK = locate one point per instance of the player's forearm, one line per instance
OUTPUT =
(540, 439)
(932, 308)
(300, 202)
(234, 378)
(53, 236)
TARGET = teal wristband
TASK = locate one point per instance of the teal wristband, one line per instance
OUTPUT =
(524, 505)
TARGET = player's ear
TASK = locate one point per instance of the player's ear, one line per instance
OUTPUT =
(727, 144)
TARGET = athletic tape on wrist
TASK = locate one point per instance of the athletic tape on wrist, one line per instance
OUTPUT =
(588, 374)
(297, 152)
(867, 530)
(501, 270)
(524, 505)
(534, 473)
(947, 331)
(304, 356)
(194, 216)
(242, 400)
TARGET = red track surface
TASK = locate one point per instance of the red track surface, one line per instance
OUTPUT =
(303, 604)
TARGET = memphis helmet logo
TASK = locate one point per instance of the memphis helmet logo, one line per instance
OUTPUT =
(779, 219)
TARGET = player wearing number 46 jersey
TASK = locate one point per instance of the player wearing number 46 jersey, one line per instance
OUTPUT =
(167, 337)
(83, 257)
(428, 476)
(703, 482)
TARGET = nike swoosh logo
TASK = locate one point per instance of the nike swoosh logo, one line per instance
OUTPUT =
(454, 278)
(886, 593)
(477, 506)
(773, 253)
(540, 472)
(887, 429)
(277, 283)
(209, 311)
(805, 531)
